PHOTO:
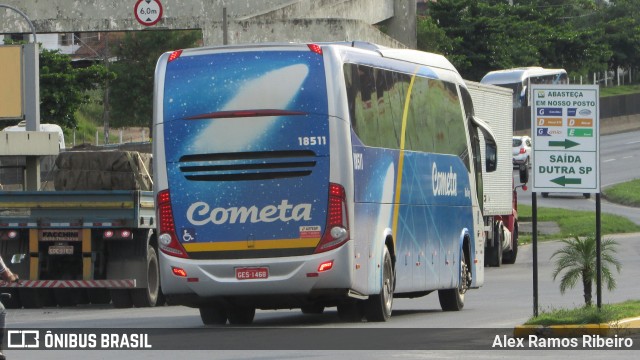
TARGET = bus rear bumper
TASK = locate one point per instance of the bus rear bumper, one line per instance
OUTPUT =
(290, 281)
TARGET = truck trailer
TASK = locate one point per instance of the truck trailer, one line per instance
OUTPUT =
(493, 104)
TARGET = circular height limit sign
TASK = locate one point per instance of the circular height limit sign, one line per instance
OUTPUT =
(148, 12)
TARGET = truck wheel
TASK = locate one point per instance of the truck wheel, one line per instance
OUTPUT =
(147, 297)
(493, 254)
(240, 315)
(121, 298)
(453, 299)
(378, 307)
(510, 256)
(213, 315)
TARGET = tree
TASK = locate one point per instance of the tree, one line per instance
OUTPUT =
(63, 87)
(621, 31)
(491, 35)
(131, 94)
(577, 259)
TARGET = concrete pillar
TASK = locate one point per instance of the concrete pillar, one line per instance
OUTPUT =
(402, 26)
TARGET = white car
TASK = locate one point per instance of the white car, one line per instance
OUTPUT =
(521, 150)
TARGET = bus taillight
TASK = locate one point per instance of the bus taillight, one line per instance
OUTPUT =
(336, 232)
(174, 55)
(315, 48)
(167, 239)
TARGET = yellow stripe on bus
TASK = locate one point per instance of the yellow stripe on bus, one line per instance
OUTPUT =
(405, 114)
(253, 245)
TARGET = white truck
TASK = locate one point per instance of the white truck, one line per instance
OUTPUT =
(493, 104)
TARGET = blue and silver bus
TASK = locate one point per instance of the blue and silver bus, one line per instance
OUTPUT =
(315, 175)
(520, 80)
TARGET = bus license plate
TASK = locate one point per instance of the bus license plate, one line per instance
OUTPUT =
(60, 250)
(252, 273)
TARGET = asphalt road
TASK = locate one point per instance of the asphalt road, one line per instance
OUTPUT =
(506, 300)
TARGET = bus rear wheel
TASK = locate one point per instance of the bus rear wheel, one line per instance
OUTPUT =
(453, 299)
(148, 296)
(378, 307)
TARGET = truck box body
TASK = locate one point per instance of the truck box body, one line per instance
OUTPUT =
(493, 105)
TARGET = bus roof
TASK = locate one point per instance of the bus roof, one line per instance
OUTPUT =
(427, 59)
(517, 75)
(431, 60)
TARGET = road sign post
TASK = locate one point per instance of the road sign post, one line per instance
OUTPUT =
(566, 138)
(566, 154)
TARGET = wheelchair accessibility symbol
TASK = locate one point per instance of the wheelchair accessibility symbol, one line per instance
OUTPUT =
(186, 235)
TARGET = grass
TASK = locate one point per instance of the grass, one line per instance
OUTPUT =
(627, 193)
(573, 222)
(582, 223)
(89, 118)
(588, 315)
(619, 90)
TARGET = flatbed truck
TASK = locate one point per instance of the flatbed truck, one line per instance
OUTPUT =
(71, 247)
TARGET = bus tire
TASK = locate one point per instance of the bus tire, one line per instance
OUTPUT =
(453, 299)
(148, 296)
(378, 307)
(213, 315)
(241, 315)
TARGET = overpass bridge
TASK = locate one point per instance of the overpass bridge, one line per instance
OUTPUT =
(229, 21)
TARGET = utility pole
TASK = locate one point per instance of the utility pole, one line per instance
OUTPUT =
(105, 100)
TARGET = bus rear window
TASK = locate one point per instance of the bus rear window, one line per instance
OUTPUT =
(290, 81)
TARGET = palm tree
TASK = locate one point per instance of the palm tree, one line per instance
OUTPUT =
(578, 258)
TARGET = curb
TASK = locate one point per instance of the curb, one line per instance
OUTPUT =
(617, 328)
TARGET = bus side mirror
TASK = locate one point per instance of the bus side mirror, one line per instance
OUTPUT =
(491, 152)
(524, 100)
(524, 173)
